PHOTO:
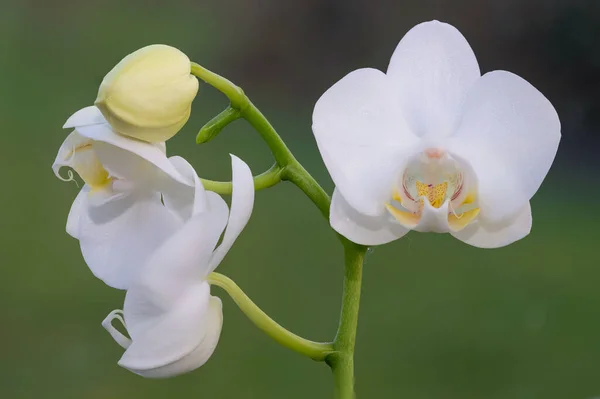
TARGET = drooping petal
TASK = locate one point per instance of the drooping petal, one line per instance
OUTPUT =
(165, 308)
(79, 206)
(121, 155)
(180, 339)
(213, 324)
(431, 69)
(183, 199)
(181, 261)
(199, 356)
(363, 139)
(84, 117)
(509, 134)
(485, 234)
(117, 237)
(361, 229)
(242, 202)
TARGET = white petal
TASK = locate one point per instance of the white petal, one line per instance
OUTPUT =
(170, 283)
(361, 229)
(119, 236)
(183, 259)
(179, 340)
(433, 219)
(77, 152)
(199, 356)
(126, 166)
(85, 116)
(363, 139)
(509, 134)
(485, 234)
(218, 207)
(119, 157)
(183, 199)
(79, 206)
(242, 202)
(66, 154)
(432, 68)
(112, 192)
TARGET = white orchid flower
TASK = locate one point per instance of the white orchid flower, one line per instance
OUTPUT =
(172, 320)
(119, 213)
(432, 145)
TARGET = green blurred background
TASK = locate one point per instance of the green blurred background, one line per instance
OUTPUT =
(439, 319)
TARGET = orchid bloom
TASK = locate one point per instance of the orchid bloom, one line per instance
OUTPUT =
(432, 145)
(119, 213)
(173, 322)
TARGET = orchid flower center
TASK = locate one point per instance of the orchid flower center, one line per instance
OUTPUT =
(436, 177)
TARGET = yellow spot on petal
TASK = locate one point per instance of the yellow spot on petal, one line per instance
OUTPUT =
(396, 196)
(434, 193)
(459, 222)
(469, 199)
(407, 219)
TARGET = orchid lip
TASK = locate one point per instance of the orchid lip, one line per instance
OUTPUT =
(435, 178)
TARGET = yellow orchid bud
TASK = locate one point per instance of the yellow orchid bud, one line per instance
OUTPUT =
(149, 94)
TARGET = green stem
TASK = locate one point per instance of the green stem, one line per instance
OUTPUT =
(283, 155)
(213, 127)
(234, 93)
(292, 170)
(315, 350)
(296, 174)
(340, 356)
(266, 179)
(342, 360)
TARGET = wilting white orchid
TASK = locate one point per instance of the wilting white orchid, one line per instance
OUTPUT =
(119, 213)
(432, 145)
(172, 320)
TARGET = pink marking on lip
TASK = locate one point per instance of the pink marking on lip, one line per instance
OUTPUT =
(458, 190)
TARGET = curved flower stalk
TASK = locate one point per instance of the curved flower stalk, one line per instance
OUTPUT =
(116, 214)
(172, 320)
(432, 145)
